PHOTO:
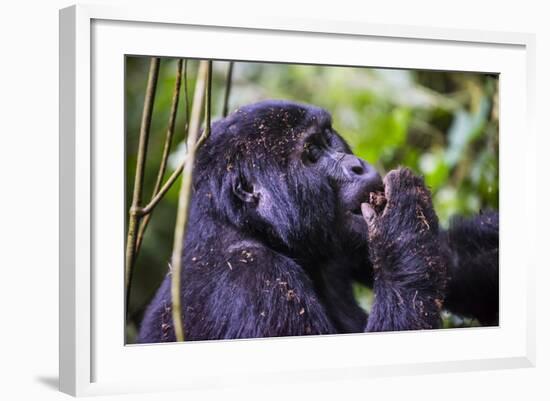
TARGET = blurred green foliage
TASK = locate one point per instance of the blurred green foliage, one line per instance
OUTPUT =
(443, 125)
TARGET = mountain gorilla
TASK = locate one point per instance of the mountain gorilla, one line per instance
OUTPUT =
(281, 227)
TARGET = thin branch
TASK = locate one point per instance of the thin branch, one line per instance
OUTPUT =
(170, 181)
(202, 95)
(175, 174)
(208, 107)
(165, 188)
(133, 220)
(227, 89)
(165, 150)
(186, 95)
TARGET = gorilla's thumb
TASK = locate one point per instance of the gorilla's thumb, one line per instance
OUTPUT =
(368, 213)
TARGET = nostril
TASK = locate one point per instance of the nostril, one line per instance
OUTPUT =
(359, 170)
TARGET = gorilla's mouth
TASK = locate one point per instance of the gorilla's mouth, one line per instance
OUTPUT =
(357, 195)
(354, 204)
(356, 211)
(355, 219)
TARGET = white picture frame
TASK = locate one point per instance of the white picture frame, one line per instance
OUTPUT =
(93, 357)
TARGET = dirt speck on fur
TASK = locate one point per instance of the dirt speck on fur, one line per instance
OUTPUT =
(378, 201)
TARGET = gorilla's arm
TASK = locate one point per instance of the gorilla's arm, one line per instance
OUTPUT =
(404, 248)
(473, 287)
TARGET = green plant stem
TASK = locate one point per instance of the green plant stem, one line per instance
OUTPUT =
(165, 151)
(169, 182)
(134, 216)
(186, 95)
(202, 95)
(227, 89)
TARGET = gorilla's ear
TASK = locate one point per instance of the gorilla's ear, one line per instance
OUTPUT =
(245, 191)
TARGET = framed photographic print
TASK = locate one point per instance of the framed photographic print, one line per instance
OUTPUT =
(295, 200)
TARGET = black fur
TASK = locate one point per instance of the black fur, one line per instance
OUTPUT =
(276, 238)
(473, 290)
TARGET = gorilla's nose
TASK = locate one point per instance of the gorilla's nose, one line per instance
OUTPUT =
(358, 169)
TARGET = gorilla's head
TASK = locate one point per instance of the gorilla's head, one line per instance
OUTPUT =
(279, 171)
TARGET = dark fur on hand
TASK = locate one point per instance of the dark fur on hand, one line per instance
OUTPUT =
(410, 269)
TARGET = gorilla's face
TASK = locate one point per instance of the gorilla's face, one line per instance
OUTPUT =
(283, 173)
(327, 154)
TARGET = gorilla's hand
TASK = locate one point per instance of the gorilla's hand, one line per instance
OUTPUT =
(407, 213)
(409, 267)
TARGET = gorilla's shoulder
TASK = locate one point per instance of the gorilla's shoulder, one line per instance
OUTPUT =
(486, 222)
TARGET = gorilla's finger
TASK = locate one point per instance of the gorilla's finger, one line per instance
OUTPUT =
(393, 183)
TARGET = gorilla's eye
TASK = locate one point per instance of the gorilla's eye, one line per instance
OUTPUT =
(312, 152)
